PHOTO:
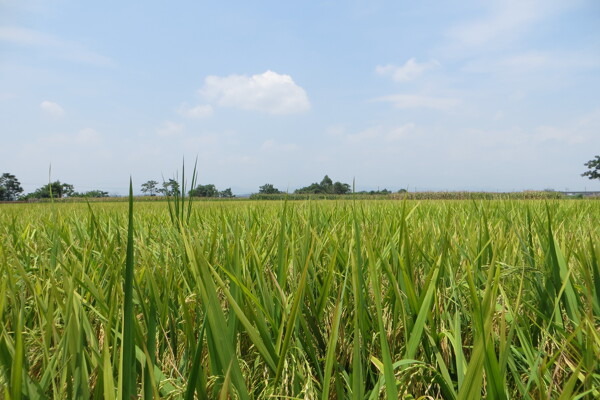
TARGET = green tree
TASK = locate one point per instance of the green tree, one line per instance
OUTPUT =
(593, 171)
(150, 188)
(66, 190)
(170, 188)
(267, 188)
(53, 189)
(10, 187)
(341, 188)
(313, 188)
(91, 193)
(209, 190)
(326, 184)
(227, 193)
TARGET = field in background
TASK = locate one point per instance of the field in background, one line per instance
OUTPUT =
(524, 195)
(307, 299)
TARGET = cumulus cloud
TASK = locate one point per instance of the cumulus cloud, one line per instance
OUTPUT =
(407, 72)
(419, 101)
(52, 109)
(199, 111)
(268, 92)
(169, 128)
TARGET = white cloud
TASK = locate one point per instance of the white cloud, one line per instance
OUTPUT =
(535, 62)
(400, 132)
(199, 111)
(583, 130)
(409, 71)
(52, 109)
(268, 92)
(535, 139)
(553, 134)
(368, 134)
(419, 101)
(87, 136)
(27, 37)
(504, 21)
(169, 128)
(68, 50)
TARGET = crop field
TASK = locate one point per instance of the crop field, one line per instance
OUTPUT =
(337, 299)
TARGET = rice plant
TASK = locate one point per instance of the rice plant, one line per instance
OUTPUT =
(356, 299)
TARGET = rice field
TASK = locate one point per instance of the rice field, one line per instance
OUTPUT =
(339, 299)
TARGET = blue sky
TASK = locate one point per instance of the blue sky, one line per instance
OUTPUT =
(452, 95)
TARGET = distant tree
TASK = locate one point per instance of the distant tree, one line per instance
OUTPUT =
(267, 188)
(227, 193)
(593, 168)
(91, 193)
(53, 189)
(384, 191)
(149, 188)
(66, 190)
(10, 187)
(341, 188)
(209, 190)
(326, 186)
(170, 188)
(402, 191)
(313, 188)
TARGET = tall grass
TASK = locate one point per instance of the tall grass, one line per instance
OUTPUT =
(332, 299)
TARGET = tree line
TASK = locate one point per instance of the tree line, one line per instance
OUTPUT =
(326, 186)
(11, 189)
(171, 187)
